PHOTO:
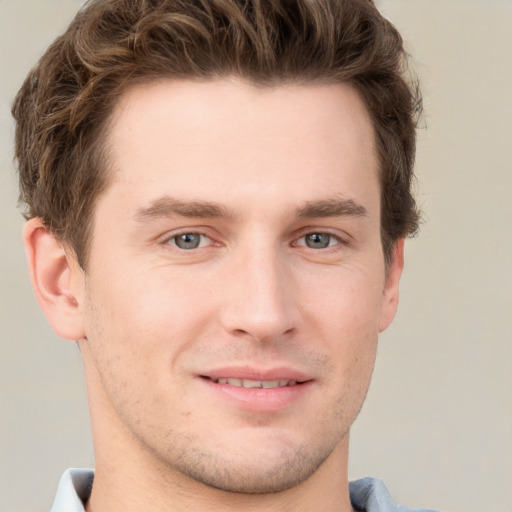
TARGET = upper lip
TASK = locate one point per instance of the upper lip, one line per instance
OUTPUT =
(251, 373)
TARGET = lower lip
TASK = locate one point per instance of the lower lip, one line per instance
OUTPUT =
(259, 399)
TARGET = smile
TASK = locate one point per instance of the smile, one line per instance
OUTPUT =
(255, 390)
(247, 383)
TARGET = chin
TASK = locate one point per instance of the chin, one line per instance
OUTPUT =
(256, 480)
(251, 472)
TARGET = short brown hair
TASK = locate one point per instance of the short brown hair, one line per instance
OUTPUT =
(64, 105)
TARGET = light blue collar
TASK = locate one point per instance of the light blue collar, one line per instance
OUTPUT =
(367, 494)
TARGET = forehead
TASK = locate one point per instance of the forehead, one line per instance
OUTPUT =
(206, 138)
(214, 109)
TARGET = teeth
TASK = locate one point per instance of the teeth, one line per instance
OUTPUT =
(247, 383)
(251, 383)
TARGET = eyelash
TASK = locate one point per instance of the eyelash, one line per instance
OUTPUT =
(172, 240)
(331, 237)
(338, 241)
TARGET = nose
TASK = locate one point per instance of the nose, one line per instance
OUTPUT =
(259, 299)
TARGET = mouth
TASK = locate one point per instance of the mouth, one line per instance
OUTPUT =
(249, 389)
(249, 383)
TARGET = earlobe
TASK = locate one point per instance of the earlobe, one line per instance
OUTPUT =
(54, 278)
(391, 285)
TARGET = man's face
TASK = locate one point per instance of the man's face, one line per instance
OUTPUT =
(236, 282)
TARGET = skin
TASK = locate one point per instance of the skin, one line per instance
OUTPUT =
(261, 178)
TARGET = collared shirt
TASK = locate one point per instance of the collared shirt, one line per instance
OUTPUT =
(366, 495)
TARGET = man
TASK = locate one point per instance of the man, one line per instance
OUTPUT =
(217, 194)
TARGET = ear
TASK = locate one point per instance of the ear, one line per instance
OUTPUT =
(391, 284)
(57, 280)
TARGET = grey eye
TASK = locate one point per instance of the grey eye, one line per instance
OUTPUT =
(188, 240)
(318, 240)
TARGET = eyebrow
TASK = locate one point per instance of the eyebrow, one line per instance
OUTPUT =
(170, 207)
(167, 206)
(331, 208)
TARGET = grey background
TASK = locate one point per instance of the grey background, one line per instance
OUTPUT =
(437, 425)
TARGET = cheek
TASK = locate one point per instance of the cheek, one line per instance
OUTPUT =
(147, 322)
(344, 316)
(134, 338)
(347, 303)
(149, 298)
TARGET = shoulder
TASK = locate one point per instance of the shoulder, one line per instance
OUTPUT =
(371, 495)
